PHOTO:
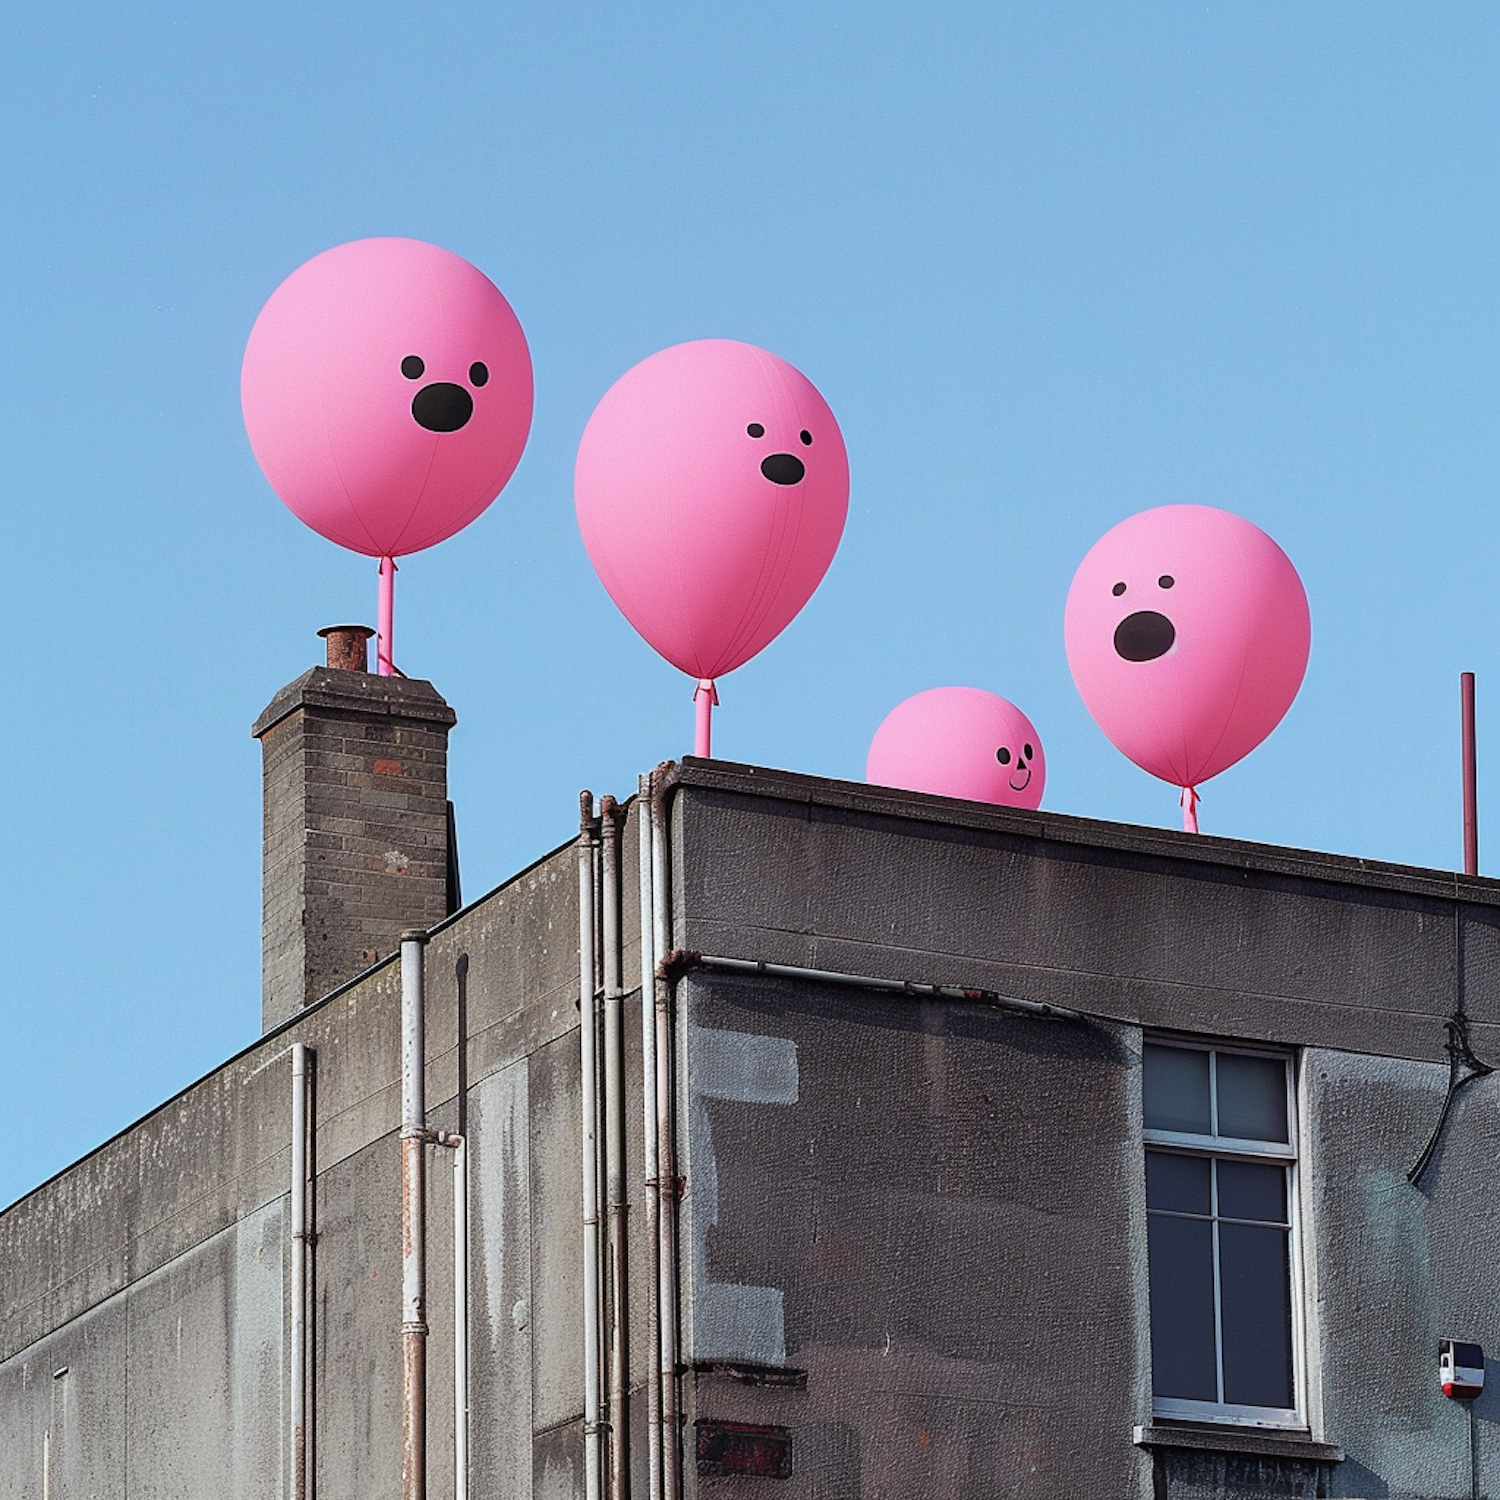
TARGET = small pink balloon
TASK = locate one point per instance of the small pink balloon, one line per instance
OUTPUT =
(712, 487)
(387, 394)
(960, 742)
(1187, 632)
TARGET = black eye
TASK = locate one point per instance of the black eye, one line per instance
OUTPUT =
(479, 373)
(756, 430)
(1117, 590)
(1030, 753)
(1003, 756)
(807, 437)
(1165, 581)
(412, 367)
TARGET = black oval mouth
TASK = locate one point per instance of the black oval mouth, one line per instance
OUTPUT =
(1024, 784)
(442, 406)
(783, 468)
(1144, 636)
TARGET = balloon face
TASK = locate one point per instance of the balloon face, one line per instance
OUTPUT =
(1187, 632)
(387, 394)
(960, 742)
(712, 487)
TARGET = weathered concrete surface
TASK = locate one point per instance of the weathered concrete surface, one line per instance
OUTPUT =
(1157, 928)
(927, 1210)
(957, 1197)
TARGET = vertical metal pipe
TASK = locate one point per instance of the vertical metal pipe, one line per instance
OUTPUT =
(593, 1469)
(666, 1154)
(299, 1297)
(648, 1136)
(1471, 776)
(614, 1156)
(460, 1146)
(413, 1223)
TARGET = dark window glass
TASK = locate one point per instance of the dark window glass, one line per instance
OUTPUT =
(1180, 1252)
(1179, 1183)
(1250, 1190)
(1255, 1314)
(1176, 1089)
(1252, 1097)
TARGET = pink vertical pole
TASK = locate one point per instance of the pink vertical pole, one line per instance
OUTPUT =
(1189, 800)
(385, 663)
(705, 695)
(1471, 777)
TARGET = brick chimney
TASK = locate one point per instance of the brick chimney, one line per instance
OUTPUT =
(355, 771)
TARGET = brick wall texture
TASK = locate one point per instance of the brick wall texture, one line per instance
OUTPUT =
(355, 773)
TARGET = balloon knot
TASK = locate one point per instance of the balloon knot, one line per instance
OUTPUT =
(706, 685)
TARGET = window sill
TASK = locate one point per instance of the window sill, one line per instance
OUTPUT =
(1230, 1439)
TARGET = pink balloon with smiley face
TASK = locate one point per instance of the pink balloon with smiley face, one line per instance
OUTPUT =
(712, 487)
(387, 394)
(1187, 633)
(960, 742)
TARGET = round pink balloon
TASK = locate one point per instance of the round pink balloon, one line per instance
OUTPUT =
(1187, 632)
(387, 394)
(960, 742)
(712, 487)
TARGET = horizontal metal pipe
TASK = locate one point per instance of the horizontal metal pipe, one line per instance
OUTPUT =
(714, 963)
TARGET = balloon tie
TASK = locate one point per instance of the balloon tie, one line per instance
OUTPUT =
(1189, 804)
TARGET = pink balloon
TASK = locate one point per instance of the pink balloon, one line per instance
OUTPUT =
(1187, 632)
(960, 742)
(712, 487)
(387, 394)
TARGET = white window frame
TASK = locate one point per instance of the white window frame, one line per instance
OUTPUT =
(1292, 1418)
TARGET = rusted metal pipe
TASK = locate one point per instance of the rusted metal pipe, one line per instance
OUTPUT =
(593, 1466)
(614, 1155)
(648, 1135)
(666, 1291)
(414, 1138)
(1471, 776)
(301, 1481)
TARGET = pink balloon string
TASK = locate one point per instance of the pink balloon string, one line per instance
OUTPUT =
(1189, 803)
(385, 664)
(705, 697)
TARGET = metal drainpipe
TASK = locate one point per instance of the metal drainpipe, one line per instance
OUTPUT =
(299, 1298)
(460, 1315)
(666, 1152)
(413, 1224)
(593, 1469)
(648, 1136)
(614, 1158)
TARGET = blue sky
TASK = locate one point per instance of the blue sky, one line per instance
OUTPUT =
(1050, 263)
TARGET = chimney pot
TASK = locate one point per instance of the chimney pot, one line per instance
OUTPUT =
(347, 650)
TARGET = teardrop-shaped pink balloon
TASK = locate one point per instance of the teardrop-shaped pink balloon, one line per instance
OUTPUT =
(712, 487)
(1187, 632)
(387, 394)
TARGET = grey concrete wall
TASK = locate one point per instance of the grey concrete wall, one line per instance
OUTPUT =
(934, 1213)
(155, 1270)
(920, 1210)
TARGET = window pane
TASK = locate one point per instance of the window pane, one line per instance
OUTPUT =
(1177, 1090)
(1178, 1182)
(1252, 1097)
(1256, 1313)
(1247, 1190)
(1180, 1253)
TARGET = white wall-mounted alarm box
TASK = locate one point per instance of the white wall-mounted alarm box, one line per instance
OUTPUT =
(1461, 1369)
